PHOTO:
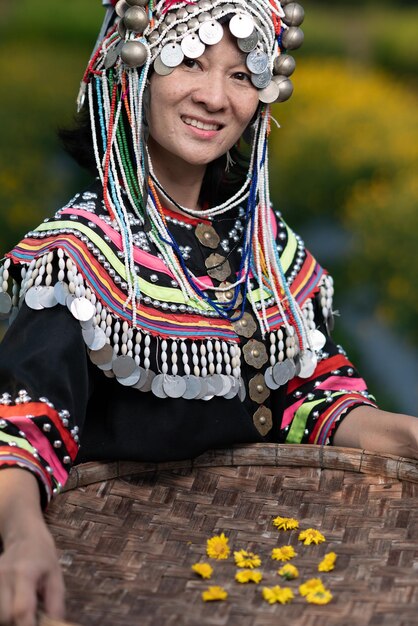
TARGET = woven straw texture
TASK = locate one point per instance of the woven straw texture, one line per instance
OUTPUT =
(127, 543)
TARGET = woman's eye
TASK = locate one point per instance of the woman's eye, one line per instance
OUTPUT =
(242, 76)
(191, 63)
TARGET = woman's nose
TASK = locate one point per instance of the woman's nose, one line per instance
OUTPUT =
(211, 92)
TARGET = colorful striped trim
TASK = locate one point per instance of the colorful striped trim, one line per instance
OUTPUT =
(326, 424)
(14, 456)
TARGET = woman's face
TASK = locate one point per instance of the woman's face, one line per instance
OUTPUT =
(201, 109)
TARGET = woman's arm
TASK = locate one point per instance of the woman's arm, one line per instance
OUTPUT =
(371, 429)
(29, 567)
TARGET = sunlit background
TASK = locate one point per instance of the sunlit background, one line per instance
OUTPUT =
(343, 166)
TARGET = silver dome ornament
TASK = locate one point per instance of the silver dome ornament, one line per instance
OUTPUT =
(294, 14)
(134, 54)
(284, 65)
(121, 8)
(285, 88)
(182, 14)
(137, 3)
(135, 19)
(292, 38)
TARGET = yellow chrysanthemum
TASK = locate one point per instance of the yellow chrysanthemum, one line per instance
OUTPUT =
(328, 562)
(214, 593)
(310, 535)
(319, 597)
(248, 576)
(283, 595)
(203, 569)
(247, 559)
(283, 554)
(313, 585)
(289, 572)
(285, 523)
(217, 547)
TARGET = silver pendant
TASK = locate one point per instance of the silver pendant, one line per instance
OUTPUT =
(82, 309)
(234, 389)
(215, 385)
(242, 392)
(192, 46)
(246, 326)
(5, 303)
(280, 373)
(113, 55)
(257, 62)
(193, 387)
(203, 389)
(207, 236)
(47, 297)
(145, 381)
(32, 299)
(99, 340)
(157, 386)
(218, 266)
(172, 55)
(308, 362)
(61, 292)
(263, 80)
(174, 386)
(248, 44)
(124, 366)
(270, 381)
(241, 26)
(211, 32)
(88, 334)
(270, 93)
(130, 381)
(103, 356)
(161, 69)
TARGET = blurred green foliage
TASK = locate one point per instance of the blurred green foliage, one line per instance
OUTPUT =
(348, 147)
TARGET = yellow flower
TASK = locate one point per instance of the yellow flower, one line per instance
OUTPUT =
(203, 569)
(217, 547)
(247, 559)
(214, 593)
(277, 594)
(283, 554)
(313, 585)
(319, 597)
(289, 572)
(328, 562)
(310, 535)
(248, 576)
(285, 523)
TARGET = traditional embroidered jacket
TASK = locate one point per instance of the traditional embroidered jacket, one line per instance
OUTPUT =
(74, 370)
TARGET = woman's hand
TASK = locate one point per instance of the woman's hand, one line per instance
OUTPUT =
(29, 569)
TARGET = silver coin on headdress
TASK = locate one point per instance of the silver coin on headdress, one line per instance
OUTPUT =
(241, 25)
(113, 55)
(172, 54)
(257, 61)
(192, 46)
(263, 80)
(248, 44)
(211, 32)
(160, 68)
(269, 94)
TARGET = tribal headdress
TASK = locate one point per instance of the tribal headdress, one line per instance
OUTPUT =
(139, 37)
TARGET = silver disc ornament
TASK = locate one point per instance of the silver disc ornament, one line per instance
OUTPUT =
(248, 44)
(192, 387)
(161, 69)
(174, 386)
(308, 362)
(47, 297)
(241, 25)
(157, 386)
(263, 80)
(207, 236)
(218, 267)
(145, 381)
(32, 299)
(102, 356)
(124, 366)
(192, 47)
(211, 32)
(61, 292)
(99, 340)
(269, 94)
(269, 378)
(113, 55)
(5, 303)
(82, 309)
(172, 54)
(133, 379)
(257, 61)
(234, 389)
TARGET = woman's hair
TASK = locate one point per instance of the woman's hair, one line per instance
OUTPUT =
(219, 183)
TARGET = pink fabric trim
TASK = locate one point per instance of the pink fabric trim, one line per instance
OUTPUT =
(289, 413)
(42, 445)
(338, 383)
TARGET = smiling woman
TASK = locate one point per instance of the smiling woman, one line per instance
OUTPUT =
(168, 309)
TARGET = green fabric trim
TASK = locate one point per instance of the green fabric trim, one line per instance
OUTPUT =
(20, 441)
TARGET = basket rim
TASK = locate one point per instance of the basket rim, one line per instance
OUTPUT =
(260, 454)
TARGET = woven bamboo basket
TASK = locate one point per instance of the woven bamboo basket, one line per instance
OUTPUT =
(128, 534)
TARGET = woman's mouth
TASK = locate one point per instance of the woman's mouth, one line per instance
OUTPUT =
(191, 121)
